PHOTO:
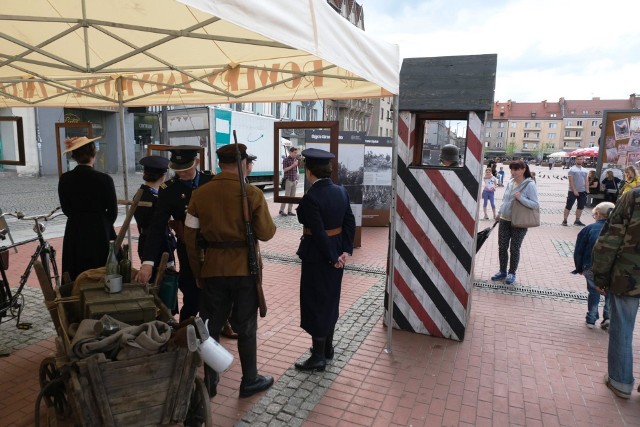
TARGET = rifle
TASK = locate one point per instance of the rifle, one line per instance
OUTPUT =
(254, 251)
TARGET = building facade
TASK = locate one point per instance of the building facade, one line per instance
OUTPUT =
(536, 129)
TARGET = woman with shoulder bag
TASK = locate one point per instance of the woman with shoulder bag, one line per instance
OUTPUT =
(520, 189)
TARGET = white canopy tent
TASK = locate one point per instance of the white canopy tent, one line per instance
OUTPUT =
(559, 154)
(95, 53)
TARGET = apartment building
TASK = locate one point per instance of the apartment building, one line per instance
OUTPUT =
(534, 129)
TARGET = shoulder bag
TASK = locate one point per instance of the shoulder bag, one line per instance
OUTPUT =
(522, 216)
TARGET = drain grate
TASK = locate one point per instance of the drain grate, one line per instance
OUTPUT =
(545, 293)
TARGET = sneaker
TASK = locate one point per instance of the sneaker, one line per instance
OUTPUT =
(499, 275)
(605, 324)
(282, 213)
(590, 325)
(578, 223)
(564, 222)
(511, 277)
(486, 217)
(291, 214)
(615, 391)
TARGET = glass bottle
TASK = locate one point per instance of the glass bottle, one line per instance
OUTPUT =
(125, 265)
(112, 261)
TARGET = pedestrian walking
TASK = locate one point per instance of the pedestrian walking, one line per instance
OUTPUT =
(582, 259)
(577, 191)
(88, 199)
(520, 189)
(616, 271)
(290, 171)
(222, 268)
(328, 231)
(490, 183)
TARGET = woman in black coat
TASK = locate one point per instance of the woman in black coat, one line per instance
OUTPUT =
(155, 169)
(329, 228)
(88, 199)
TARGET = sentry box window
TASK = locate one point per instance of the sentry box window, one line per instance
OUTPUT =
(441, 140)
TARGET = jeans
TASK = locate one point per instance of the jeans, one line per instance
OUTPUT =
(488, 196)
(620, 355)
(593, 299)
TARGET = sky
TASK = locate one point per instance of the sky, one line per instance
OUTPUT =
(547, 49)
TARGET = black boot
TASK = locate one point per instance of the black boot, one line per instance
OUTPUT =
(317, 361)
(328, 347)
(211, 379)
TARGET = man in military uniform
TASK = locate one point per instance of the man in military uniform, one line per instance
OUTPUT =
(173, 199)
(228, 289)
(450, 156)
(616, 270)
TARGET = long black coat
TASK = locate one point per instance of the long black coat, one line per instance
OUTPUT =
(143, 216)
(88, 199)
(324, 207)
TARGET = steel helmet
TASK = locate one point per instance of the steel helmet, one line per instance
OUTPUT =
(450, 153)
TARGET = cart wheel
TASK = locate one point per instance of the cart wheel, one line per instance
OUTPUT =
(56, 395)
(199, 412)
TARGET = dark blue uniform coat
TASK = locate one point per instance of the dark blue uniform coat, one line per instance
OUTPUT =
(88, 199)
(173, 199)
(324, 207)
(143, 216)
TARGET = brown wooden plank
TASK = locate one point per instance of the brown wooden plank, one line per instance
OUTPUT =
(139, 417)
(157, 366)
(127, 219)
(95, 381)
(173, 396)
(186, 386)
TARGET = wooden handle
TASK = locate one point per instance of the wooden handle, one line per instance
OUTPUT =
(127, 219)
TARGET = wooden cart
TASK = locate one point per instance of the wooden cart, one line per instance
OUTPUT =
(159, 389)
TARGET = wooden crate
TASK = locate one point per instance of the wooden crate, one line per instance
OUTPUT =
(149, 390)
(133, 305)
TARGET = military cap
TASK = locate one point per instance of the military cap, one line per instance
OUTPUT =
(450, 153)
(155, 163)
(227, 153)
(183, 157)
(317, 157)
(251, 158)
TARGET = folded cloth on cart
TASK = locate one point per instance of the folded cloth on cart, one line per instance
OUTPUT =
(118, 340)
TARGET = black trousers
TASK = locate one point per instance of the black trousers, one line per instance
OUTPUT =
(236, 299)
(187, 285)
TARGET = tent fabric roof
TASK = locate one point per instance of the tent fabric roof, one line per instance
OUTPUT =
(71, 52)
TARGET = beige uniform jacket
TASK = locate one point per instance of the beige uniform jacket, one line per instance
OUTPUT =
(216, 209)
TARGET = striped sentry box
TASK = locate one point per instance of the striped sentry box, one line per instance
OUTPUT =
(435, 223)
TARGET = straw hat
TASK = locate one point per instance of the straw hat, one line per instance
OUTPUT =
(77, 142)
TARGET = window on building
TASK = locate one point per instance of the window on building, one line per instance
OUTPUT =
(527, 125)
(578, 133)
(314, 115)
(499, 144)
(566, 144)
(567, 133)
(247, 106)
(579, 123)
(553, 125)
(525, 145)
(267, 109)
(552, 115)
(536, 135)
(598, 112)
(380, 133)
(382, 114)
(500, 134)
(526, 135)
(593, 133)
(568, 123)
(535, 146)
(513, 125)
(299, 112)
(512, 134)
(487, 134)
(551, 135)
(501, 125)
(592, 144)
(594, 123)
(585, 112)
(285, 110)
(487, 124)
(577, 144)
(538, 125)
(551, 145)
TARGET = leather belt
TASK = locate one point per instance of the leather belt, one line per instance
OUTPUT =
(333, 232)
(227, 245)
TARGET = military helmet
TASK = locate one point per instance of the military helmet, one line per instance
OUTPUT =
(450, 153)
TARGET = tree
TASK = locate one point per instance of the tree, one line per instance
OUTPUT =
(510, 150)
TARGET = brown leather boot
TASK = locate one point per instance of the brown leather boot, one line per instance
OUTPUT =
(228, 332)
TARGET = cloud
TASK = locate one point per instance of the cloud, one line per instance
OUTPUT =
(546, 49)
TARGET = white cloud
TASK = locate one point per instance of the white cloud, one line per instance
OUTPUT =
(546, 49)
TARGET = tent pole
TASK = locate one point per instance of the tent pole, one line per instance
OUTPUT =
(123, 146)
(392, 226)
